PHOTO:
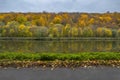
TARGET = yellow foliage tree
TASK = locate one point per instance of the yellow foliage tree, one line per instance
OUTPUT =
(57, 20)
(21, 27)
(99, 32)
(107, 32)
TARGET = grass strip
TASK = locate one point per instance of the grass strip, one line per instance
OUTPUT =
(85, 56)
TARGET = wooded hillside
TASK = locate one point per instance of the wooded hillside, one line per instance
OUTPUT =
(60, 24)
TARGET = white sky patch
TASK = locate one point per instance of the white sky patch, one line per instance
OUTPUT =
(60, 5)
(44, 1)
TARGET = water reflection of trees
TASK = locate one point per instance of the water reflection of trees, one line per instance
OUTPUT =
(59, 46)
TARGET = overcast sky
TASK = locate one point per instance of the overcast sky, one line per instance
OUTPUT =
(59, 5)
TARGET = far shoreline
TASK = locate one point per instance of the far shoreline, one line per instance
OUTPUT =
(59, 38)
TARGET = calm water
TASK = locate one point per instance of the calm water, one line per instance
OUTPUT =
(58, 46)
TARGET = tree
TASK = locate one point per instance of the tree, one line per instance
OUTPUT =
(24, 31)
(41, 31)
(91, 21)
(66, 30)
(80, 32)
(88, 32)
(55, 30)
(2, 24)
(21, 19)
(118, 33)
(83, 20)
(10, 29)
(107, 32)
(114, 33)
(57, 20)
(74, 32)
(99, 32)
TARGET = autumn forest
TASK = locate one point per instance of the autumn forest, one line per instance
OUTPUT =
(60, 24)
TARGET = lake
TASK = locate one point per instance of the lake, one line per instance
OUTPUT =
(63, 46)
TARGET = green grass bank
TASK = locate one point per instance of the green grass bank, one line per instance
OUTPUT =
(83, 56)
(59, 60)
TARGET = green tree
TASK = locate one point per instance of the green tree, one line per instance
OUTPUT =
(88, 32)
(41, 32)
(118, 33)
(21, 19)
(66, 30)
(74, 32)
(107, 32)
(10, 29)
(55, 30)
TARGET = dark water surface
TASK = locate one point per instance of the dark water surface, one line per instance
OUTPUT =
(35, 46)
(99, 73)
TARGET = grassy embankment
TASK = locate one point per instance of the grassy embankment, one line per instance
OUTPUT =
(59, 60)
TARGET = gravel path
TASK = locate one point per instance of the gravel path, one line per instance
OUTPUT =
(93, 73)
